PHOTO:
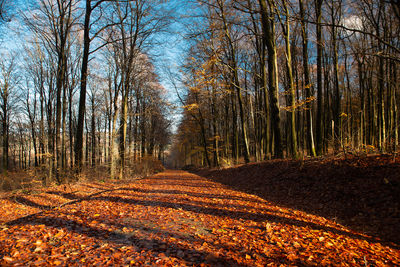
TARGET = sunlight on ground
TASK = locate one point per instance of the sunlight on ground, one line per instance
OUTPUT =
(177, 218)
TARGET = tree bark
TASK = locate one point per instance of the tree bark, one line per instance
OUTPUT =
(319, 122)
(307, 83)
(268, 27)
(82, 95)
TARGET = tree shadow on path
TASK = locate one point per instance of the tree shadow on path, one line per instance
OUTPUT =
(351, 192)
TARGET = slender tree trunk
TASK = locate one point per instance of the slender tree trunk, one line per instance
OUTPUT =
(123, 130)
(291, 89)
(93, 130)
(71, 128)
(35, 150)
(319, 122)
(41, 126)
(235, 137)
(268, 27)
(381, 105)
(236, 86)
(5, 133)
(394, 105)
(63, 128)
(214, 127)
(113, 147)
(82, 96)
(142, 127)
(307, 83)
(337, 99)
(362, 131)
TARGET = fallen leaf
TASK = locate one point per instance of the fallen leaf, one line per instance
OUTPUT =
(9, 259)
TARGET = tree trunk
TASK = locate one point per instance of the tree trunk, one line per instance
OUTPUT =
(319, 123)
(268, 27)
(307, 84)
(336, 100)
(291, 89)
(235, 85)
(82, 95)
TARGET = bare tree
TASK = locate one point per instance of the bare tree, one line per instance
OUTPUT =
(8, 82)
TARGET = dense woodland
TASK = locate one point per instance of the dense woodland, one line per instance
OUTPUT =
(258, 80)
(272, 79)
(83, 92)
(98, 97)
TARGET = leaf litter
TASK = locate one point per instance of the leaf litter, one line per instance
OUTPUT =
(176, 218)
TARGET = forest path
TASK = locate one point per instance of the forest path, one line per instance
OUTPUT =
(179, 218)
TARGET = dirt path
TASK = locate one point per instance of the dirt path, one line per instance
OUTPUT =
(178, 218)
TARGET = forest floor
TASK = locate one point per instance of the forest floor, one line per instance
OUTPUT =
(311, 213)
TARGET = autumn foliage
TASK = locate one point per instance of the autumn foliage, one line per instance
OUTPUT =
(175, 219)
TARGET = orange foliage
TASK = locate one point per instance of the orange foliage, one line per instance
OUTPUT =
(176, 218)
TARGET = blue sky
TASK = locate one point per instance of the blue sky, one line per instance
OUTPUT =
(173, 51)
(167, 56)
